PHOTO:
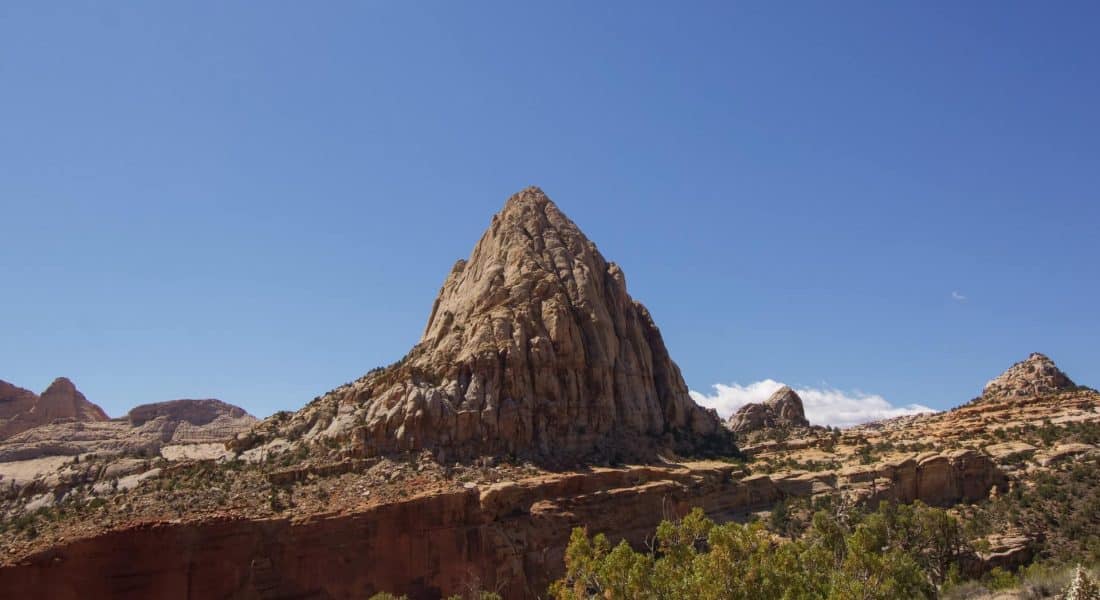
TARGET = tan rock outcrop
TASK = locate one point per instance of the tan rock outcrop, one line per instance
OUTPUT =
(1063, 452)
(21, 409)
(782, 409)
(533, 348)
(146, 430)
(1037, 375)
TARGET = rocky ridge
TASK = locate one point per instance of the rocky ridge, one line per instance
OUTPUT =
(22, 409)
(533, 349)
(40, 458)
(210, 422)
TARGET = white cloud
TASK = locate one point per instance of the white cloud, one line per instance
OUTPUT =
(823, 406)
(955, 295)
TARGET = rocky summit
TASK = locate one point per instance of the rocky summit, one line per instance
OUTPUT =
(21, 409)
(1037, 375)
(782, 409)
(534, 349)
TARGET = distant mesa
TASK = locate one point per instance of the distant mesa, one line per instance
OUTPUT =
(195, 412)
(1035, 376)
(62, 422)
(533, 348)
(22, 409)
(783, 409)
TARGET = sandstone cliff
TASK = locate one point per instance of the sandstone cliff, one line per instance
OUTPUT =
(21, 409)
(533, 348)
(147, 430)
(509, 536)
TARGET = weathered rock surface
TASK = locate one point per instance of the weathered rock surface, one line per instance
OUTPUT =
(195, 412)
(21, 409)
(1063, 452)
(782, 409)
(1032, 391)
(1037, 375)
(1007, 450)
(210, 421)
(509, 536)
(533, 348)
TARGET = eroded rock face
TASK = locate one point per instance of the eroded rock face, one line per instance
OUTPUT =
(782, 409)
(509, 536)
(146, 430)
(195, 412)
(21, 409)
(533, 348)
(1035, 376)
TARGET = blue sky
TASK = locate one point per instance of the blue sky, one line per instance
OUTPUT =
(258, 202)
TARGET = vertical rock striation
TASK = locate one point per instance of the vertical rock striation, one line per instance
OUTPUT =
(533, 348)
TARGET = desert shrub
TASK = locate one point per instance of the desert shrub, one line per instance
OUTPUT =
(999, 579)
(1083, 587)
(899, 551)
(1059, 510)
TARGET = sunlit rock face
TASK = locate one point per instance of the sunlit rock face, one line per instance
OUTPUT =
(1037, 375)
(21, 409)
(781, 409)
(533, 348)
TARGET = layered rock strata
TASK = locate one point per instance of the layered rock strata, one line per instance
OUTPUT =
(179, 422)
(21, 409)
(509, 536)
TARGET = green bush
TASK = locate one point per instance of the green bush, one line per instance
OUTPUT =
(900, 551)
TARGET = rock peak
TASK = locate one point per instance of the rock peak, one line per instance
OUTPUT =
(533, 348)
(530, 194)
(22, 409)
(1037, 375)
(782, 409)
(62, 400)
(61, 385)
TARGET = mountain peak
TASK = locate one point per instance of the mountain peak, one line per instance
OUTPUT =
(531, 195)
(61, 385)
(1037, 375)
(534, 348)
(62, 400)
(22, 409)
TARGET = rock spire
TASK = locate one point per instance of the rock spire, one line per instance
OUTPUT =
(533, 348)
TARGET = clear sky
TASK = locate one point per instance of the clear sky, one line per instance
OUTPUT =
(884, 201)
